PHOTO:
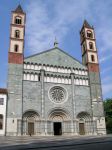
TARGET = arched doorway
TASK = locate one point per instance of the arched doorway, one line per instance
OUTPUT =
(81, 127)
(57, 124)
(30, 119)
(58, 118)
(84, 120)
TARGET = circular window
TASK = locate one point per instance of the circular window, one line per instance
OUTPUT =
(57, 94)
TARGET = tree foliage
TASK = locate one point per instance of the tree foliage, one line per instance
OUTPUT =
(108, 114)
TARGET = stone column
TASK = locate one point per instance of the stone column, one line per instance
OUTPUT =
(36, 127)
(25, 127)
(73, 104)
(45, 127)
(42, 92)
(42, 72)
(19, 127)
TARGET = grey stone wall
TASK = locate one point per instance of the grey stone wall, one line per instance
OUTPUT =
(49, 105)
(96, 94)
(15, 76)
(83, 100)
(24, 95)
(32, 98)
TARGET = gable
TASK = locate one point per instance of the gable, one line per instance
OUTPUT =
(55, 57)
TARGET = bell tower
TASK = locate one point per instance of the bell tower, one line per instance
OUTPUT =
(90, 59)
(88, 45)
(15, 73)
(17, 32)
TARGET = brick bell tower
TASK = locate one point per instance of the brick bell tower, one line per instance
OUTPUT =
(17, 32)
(90, 59)
(15, 72)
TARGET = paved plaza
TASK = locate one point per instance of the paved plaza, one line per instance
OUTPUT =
(27, 142)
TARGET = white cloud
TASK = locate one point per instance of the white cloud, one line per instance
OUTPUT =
(50, 19)
(105, 70)
(104, 58)
(104, 35)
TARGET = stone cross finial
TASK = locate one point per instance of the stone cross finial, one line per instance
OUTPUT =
(55, 43)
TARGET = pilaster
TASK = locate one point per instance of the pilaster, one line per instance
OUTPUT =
(43, 120)
(42, 93)
(73, 123)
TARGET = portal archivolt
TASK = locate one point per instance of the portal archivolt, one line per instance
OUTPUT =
(30, 122)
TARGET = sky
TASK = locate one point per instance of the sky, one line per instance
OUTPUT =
(63, 19)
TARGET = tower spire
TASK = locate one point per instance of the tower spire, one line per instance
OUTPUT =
(19, 9)
(86, 24)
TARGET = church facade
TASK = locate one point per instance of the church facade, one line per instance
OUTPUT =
(52, 93)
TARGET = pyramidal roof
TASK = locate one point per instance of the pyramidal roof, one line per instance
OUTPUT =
(19, 9)
(86, 24)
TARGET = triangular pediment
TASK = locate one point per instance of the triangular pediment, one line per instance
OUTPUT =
(55, 57)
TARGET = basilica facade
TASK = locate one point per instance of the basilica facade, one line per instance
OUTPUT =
(52, 93)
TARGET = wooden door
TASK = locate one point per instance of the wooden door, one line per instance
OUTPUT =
(31, 128)
(81, 129)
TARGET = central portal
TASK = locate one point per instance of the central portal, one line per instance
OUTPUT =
(57, 128)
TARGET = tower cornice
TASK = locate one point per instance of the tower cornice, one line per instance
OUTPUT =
(16, 39)
(15, 25)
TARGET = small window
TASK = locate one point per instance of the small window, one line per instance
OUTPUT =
(17, 34)
(90, 45)
(92, 58)
(89, 34)
(1, 101)
(16, 47)
(18, 20)
(1, 121)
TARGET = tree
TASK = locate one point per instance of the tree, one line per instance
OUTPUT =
(108, 114)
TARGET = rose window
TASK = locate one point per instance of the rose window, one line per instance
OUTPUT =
(57, 94)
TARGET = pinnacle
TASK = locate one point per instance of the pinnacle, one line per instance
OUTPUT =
(86, 24)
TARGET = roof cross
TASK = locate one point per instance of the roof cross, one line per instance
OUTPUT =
(55, 43)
